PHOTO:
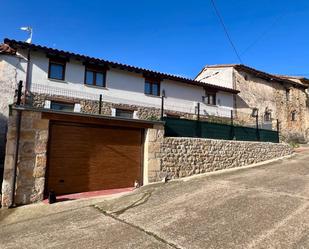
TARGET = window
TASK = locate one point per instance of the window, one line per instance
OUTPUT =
(267, 116)
(95, 76)
(210, 98)
(293, 116)
(287, 93)
(56, 69)
(152, 87)
(60, 106)
(124, 113)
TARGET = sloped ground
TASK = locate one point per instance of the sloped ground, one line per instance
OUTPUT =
(261, 207)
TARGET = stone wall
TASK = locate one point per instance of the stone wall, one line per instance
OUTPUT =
(271, 96)
(182, 157)
(152, 154)
(32, 157)
(92, 107)
(31, 162)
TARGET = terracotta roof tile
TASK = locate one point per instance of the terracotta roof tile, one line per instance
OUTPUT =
(259, 73)
(146, 72)
(6, 49)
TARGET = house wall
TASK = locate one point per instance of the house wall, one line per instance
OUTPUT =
(30, 174)
(263, 94)
(220, 76)
(121, 87)
(271, 95)
(12, 70)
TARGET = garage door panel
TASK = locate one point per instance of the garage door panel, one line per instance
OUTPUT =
(87, 158)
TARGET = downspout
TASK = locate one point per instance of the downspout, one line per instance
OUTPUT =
(18, 125)
(27, 85)
(16, 154)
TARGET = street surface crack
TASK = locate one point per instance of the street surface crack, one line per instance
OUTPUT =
(137, 203)
(149, 233)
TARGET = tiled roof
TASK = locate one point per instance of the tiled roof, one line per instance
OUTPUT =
(302, 79)
(259, 73)
(6, 49)
(146, 72)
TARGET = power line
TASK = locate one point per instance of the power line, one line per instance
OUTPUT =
(225, 30)
(264, 32)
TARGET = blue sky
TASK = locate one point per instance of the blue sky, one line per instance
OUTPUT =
(178, 37)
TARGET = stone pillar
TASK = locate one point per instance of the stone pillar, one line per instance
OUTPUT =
(9, 161)
(31, 164)
(152, 155)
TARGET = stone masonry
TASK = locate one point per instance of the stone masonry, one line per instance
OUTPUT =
(271, 96)
(152, 154)
(31, 162)
(163, 156)
(182, 157)
(32, 158)
(92, 107)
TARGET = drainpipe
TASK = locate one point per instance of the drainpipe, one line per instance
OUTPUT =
(18, 125)
(27, 85)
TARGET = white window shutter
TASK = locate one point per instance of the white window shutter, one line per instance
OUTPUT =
(47, 104)
(135, 115)
(76, 107)
(113, 112)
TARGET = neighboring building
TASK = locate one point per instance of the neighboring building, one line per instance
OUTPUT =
(276, 97)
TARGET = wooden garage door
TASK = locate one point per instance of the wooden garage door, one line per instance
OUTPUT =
(88, 158)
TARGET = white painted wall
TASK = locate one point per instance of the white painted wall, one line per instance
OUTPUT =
(121, 87)
(217, 76)
(12, 70)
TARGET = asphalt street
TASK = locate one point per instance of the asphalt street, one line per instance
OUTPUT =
(260, 207)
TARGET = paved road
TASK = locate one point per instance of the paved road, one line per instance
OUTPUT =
(261, 207)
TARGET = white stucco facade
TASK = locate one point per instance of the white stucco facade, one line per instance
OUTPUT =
(12, 70)
(123, 87)
(220, 76)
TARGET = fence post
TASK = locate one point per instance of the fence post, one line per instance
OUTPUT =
(257, 125)
(198, 111)
(278, 130)
(232, 126)
(100, 104)
(19, 92)
(162, 106)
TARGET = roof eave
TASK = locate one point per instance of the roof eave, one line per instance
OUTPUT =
(120, 66)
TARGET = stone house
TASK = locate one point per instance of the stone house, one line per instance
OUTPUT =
(276, 97)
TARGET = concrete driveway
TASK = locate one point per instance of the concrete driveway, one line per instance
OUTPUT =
(261, 207)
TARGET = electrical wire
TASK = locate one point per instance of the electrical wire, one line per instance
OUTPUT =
(266, 31)
(225, 30)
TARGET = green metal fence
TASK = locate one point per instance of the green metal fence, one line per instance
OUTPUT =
(175, 127)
